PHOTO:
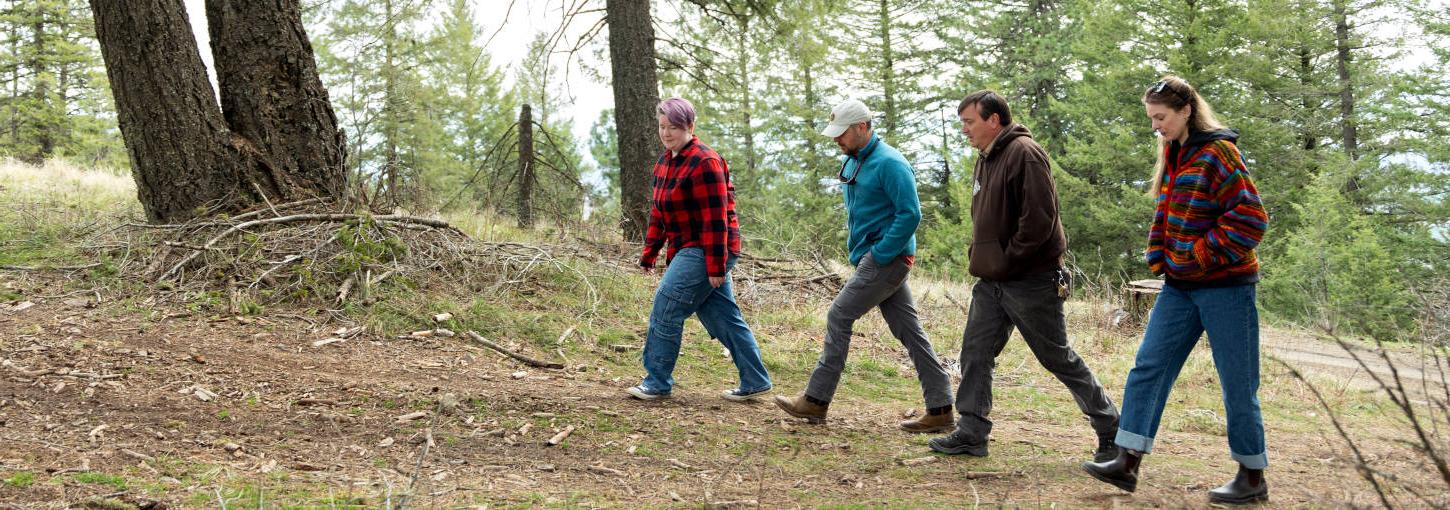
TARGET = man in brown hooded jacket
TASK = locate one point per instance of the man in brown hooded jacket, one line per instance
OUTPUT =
(1017, 249)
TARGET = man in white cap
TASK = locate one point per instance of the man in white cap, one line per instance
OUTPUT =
(882, 212)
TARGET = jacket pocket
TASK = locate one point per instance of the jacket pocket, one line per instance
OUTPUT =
(987, 260)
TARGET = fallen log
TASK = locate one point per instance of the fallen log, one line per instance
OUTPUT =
(559, 438)
(527, 360)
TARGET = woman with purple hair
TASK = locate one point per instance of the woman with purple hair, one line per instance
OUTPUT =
(694, 209)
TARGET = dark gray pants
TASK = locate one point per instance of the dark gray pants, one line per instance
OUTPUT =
(881, 287)
(1030, 304)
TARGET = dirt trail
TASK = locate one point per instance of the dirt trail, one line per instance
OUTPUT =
(98, 390)
(1418, 373)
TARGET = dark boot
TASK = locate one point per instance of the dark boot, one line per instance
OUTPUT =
(1120, 472)
(959, 443)
(1248, 487)
(1107, 449)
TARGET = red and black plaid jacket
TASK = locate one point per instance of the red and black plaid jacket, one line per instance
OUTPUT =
(694, 206)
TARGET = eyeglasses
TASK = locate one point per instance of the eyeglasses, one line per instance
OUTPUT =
(842, 174)
(1162, 86)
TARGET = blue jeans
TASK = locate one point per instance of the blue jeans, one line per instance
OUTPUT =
(684, 291)
(1179, 318)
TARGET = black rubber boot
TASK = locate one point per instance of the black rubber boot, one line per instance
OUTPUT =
(1107, 449)
(1120, 472)
(1247, 487)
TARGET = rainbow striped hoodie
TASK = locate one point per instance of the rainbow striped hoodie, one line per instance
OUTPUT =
(1209, 216)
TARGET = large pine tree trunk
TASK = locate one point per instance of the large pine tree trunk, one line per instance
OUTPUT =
(636, 92)
(184, 157)
(182, 154)
(272, 97)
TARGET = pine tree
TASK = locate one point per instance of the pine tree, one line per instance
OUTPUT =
(634, 73)
(1023, 51)
(372, 54)
(473, 107)
(55, 102)
(554, 188)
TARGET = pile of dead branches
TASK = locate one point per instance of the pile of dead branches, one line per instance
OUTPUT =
(327, 255)
(760, 278)
(316, 252)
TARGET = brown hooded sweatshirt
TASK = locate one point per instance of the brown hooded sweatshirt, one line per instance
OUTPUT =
(1015, 225)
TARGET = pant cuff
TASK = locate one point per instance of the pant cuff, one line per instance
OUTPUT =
(766, 387)
(1133, 441)
(1257, 461)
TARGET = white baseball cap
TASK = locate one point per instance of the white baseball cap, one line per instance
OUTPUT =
(844, 115)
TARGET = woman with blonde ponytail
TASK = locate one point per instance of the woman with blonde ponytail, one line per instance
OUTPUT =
(1208, 221)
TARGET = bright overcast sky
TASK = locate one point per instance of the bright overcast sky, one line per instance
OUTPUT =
(585, 97)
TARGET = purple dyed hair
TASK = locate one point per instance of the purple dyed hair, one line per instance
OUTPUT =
(679, 111)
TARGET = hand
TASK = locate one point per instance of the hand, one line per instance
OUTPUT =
(717, 281)
(647, 270)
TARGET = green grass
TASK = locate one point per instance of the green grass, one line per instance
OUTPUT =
(45, 210)
(115, 481)
(20, 479)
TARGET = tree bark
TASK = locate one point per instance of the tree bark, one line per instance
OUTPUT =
(272, 96)
(1306, 67)
(1349, 131)
(526, 167)
(46, 124)
(636, 92)
(14, 125)
(747, 130)
(185, 158)
(390, 105)
(888, 72)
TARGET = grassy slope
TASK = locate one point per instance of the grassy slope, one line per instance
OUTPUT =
(1041, 434)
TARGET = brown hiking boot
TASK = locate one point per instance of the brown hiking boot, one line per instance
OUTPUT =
(930, 423)
(802, 407)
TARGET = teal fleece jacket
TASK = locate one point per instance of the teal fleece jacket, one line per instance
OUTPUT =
(882, 209)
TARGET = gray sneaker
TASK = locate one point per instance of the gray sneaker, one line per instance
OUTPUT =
(736, 395)
(641, 393)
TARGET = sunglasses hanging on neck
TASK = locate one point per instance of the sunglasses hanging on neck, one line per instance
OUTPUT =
(842, 174)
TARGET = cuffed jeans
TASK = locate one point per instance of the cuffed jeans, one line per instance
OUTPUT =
(1179, 318)
(883, 287)
(1032, 305)
(684, 291)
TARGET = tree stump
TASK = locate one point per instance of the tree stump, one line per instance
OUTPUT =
(1138, 299)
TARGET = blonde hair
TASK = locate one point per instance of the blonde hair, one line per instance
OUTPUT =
(1176, 93)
